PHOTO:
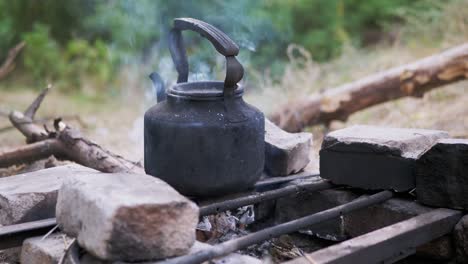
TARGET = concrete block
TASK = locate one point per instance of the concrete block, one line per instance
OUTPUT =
(442, 175)
(302, 204)
(460, 237)
(391, 212)
(33, 195)
(45, 251)
(128, 217)
(10, 256)
(387, 213)
(285, 153)
(375, 158)
(233, 258)
(358, 222)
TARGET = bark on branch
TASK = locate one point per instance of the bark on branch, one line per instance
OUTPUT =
(63, 142)
(9, 63)
(30, 153)
(408, 80)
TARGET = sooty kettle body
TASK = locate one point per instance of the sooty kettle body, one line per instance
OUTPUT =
(203, 138)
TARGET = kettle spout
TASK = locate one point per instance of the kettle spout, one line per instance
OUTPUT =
(158, 86)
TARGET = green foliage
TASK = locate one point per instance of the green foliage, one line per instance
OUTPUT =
(86, 60)
(42, 57)
(324, 26)
(69, 41)
(47, 61)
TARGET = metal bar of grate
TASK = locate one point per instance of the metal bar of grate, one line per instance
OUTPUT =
(259, 186)
(13, 235)
(275, 231)
(388, 244)
(264, 196)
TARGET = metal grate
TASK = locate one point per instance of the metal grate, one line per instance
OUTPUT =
(383, 245)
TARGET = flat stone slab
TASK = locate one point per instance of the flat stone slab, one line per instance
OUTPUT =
(127, 217)
(45, 251)
(442, 175)
(285, 153)
(302, 204)
(233, 258)
(370, 157)
(32, 196)
(460, 238)
(358, 222)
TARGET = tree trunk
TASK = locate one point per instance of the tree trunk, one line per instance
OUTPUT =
(408, 80)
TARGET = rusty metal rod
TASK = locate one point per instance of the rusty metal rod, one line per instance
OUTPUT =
(275, 231)
(13, 235)
(264, 196)
(280, 180)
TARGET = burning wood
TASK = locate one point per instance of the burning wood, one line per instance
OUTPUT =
(413, 79)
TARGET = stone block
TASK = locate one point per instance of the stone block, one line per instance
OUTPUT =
(10, 255)
(128, 217)
(358, 222)
(45, 251)
(391, 212)
(32, 196)
(303, 204)
(285, 153)
(375, 158)
(442, 175)
(233, 258)
(460, 237)
(387, 213)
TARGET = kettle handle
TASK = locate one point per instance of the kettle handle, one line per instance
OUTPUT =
(222, 43)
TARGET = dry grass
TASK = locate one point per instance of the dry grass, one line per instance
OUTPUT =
(445, 108)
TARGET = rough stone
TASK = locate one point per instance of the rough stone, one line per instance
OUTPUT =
(285, 153)
(391, 212)
(375, 158)
(358, 222)
(306, 203)
(442, 175)
(45, 251)
(33, 195)
(10, 256)
(387, 213)
(128, 217)
(460, 237)
(233, 258)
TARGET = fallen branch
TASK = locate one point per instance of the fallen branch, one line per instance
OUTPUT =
(62, 142)
(9, 63)
(413, 79)
(42, 121)
(30, 153)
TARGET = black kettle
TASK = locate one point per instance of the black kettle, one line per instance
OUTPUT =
(204, 139)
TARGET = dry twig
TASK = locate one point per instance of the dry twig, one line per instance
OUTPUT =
(9, 63)
(63, 142)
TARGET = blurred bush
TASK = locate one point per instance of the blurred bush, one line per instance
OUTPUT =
(65, 66)
(42, 57)
(69, 41)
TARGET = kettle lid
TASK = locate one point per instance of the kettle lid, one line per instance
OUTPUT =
(206, 90)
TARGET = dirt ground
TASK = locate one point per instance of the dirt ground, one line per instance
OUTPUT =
(117, 124)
